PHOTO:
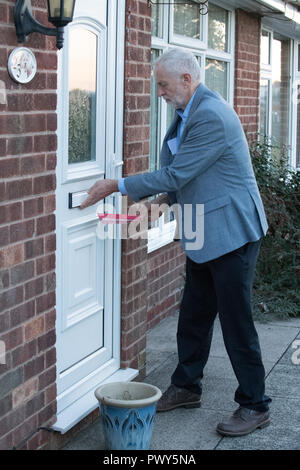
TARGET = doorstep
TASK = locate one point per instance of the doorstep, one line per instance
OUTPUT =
(82, 407)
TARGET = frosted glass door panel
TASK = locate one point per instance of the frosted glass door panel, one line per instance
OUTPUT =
(82, 95)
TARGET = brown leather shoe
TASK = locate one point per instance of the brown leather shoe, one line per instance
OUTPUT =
(243, 421)
(175, 397)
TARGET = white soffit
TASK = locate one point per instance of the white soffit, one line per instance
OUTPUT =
(290, 11)
(282, 16)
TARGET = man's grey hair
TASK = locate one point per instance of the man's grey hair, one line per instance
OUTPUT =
(179, 61)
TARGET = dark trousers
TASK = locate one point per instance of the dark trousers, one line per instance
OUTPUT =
(222, 286)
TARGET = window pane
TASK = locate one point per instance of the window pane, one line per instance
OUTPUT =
(217, 28)
(280, 91)
(299, 58)
(298, 131)
(187, 19)
(82, 95)
(216, 76)
(265, 48)
(157, 20)
(264, 106)
(155, 118)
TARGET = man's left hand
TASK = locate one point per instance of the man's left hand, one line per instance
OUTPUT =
(100, 190)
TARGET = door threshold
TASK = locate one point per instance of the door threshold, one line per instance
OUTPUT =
(82, 407)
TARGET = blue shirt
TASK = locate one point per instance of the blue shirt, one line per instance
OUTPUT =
(184, 115)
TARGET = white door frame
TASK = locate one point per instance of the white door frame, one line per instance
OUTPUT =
(78, 401)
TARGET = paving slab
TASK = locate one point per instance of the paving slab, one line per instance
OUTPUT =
(90, 438)
(292, 354)
(184, 429)
(218, 392)
(290, 322)
(194, 429)
(274, 340)
(155, 359)
(161, 375)
(284, 381)
(221, 367)
(163, 336)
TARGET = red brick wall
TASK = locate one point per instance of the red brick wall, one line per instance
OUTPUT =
(27, 240)
(136, 157)
(151, 284)
(247, 71)
(165, 281)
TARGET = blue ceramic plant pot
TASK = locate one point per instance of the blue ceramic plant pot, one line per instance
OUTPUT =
(127, 411)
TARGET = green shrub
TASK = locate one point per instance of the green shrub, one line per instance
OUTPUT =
(276, 290)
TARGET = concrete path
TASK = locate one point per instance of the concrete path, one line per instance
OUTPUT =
(194, 429)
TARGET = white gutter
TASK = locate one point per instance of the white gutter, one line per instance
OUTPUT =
(287, 9)
(278, 5)
(292, 13)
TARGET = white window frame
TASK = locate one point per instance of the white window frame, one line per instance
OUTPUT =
(295, 99)
(268, 67)
(266, 71)
(266, 74)
(178, 40)
(225, 56)
(79, 171)
(269, 104)
(163, 233)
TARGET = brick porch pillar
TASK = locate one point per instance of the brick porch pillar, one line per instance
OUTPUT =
(247, 71)
(136, 160)
(27, 240)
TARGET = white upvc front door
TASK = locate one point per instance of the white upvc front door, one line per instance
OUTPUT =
(89, 148)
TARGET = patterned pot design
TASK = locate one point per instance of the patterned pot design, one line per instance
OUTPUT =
(127, 412)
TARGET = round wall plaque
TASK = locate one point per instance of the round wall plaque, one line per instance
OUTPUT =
(22, 65)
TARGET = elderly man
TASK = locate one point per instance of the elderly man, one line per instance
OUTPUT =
(205, 161)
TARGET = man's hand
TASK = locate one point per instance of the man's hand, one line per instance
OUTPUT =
(100, 190)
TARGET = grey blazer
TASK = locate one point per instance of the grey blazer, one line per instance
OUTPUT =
(212, 168)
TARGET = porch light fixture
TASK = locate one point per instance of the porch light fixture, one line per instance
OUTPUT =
(60, 13)
(203, 5)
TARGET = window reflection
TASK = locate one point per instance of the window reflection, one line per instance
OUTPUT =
(217, 28)
(82, 95)
(187, 19)
(155, 117)
(280, 91)
(216, 76)
(264, 106)
(157, 20)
